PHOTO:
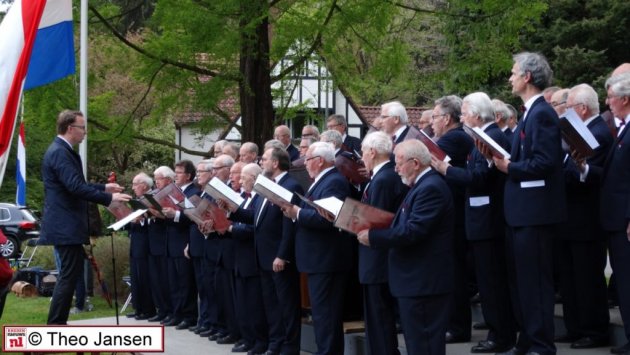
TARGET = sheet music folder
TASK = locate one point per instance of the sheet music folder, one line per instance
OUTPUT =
(576, 134)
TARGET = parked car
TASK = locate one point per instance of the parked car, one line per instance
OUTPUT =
(19, 224)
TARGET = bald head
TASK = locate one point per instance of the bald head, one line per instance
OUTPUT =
(623, 68)
(283, 134)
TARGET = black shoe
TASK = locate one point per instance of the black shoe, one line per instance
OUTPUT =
(173, 322)
(216, 336)
(228, 339)
(452, 338)
(589, 343)
(566, 338)
(166, 319)
(513, 351)
(241, 348)
(208, 332)
(184, 325)
(488, 346)
(621, 349)
(269, 352)
(131, 315)
(143, 316)
(480, 326)
(201, 329)
(156, 318)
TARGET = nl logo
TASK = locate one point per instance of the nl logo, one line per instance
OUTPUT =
(15, 338)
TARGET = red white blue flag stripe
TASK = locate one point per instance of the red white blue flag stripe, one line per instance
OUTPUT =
(20, 173)
(19, 32)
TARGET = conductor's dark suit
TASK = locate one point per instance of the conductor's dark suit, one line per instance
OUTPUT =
(582, 249)
(385, 191)
(274, 237)
(458, 145)
(420, 243)
(65, 219)
(535, 204)
(615, 214)
(324, 254)
(485, 231)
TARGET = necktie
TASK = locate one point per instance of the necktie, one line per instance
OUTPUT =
(246, 194)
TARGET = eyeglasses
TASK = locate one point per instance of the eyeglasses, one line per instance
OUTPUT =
(407, 161)
(555, 104)
(313, 157)
(572, 106)
(435, 117)
(77, 126)
(331, 126)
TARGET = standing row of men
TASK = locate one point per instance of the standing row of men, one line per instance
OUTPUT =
(418, 264)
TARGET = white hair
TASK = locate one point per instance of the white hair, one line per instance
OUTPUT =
(324, 150)
(378, 141)
(479, 103)
(165, 171)
(395, 108)
(585, 94)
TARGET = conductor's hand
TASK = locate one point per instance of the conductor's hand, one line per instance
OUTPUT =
(117, 196)
(113, 187)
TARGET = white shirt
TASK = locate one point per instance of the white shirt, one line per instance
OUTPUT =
(529, 104)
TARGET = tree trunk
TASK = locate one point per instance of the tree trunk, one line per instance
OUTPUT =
(255, 87)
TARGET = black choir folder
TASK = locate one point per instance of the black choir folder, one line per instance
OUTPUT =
(220, 191)
(203, 210)
(351, 215)
(273, 192)
(478, 134)
(576, 134)
(434, 149)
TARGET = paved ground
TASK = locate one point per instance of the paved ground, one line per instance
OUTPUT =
(179, 342)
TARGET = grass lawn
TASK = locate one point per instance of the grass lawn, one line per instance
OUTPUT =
(34, 310)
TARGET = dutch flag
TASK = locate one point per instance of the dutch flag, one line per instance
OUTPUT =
(36, 48)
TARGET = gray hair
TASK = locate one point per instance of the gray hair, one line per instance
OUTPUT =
(224, 160)
(250, 147)
(501, 108)
(414, 149)
(535, 64)
(206, 164)
(480, 104)
(339, 119)
(313, 128)
(324, 150)
(395, 108)
(332, 136)
(619, 84)
(165, 171)
(252, 168)
(513, 112)
(585, 94)
(145, 179)
(378, 141)
(274, 143)
(451, 105)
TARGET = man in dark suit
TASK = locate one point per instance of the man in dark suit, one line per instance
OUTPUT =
(614, 197)
(180, 269)
(248, 293)
(139, 255)
(339, 124)
(485, 225)
(274, 237)
(283, 134)
(535, 204)
(65, 220)
(385, 191)
(333, 137)
(420, 243)
(451, 138)
(582, 250)
(394, 122)
(501, 115)
(322, 251)
(204, 271)
(158, 256)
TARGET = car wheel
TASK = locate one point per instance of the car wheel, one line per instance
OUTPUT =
(10, 249)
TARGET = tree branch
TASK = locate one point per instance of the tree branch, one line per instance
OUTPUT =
(316, 43)
(142, 51)
(444, 13)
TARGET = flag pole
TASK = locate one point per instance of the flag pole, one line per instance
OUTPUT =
(83, 71)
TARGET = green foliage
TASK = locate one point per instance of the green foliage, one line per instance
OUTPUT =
(481, 38)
